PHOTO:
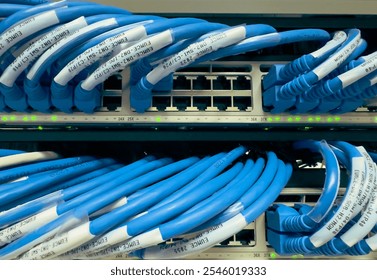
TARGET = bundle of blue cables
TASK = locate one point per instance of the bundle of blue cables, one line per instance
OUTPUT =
(338, 224)
(56, 56)
(334, 79)
(87, 207)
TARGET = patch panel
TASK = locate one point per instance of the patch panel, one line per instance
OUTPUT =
(230, 93)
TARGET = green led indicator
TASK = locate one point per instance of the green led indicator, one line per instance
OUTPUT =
(13, 118)
(310, 119)
(54, 118)
(33, 118)
(330, 119)
(278, 119)
(337, 119)
(40, 127)
(290, 119)
(375, 119)
(266, 129)
(158, 119)
(25, 119)
(318, 119)
(297, 119)
(273, 256)
(4, 118)
(270, 119)
(294, 257)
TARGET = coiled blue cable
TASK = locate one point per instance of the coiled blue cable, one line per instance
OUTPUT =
(219, 233)
(281, 98)
(258, 184)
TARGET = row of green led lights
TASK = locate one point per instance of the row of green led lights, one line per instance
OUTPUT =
(24, 118)
(305, 119)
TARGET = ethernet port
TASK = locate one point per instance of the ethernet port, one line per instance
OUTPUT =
(221, 83)
(181, 102)
(181, 83)
(222, 102)
(113, 83)
(201, 83)
(201, 102)
(112, 103)
(242, 102)
(242, 83)
(161, 102)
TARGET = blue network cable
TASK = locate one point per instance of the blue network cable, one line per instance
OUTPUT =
(354, 200)
(10, 195)
(48, 48)
(90, 206)
(141, 93)
(282, 73)
(94, 50)
(251, 44)
(153, 218)
(362, 225)
(9, 9)
(223, 231)
(87, 95)
(179, 200)
(258, 184)
(281, 98)
(286, 219)
(134, 206)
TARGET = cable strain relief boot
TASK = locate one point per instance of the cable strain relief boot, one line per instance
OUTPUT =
(304, 105)
(370, 92)
(38, 96)
(296, 67)
(296, 224)
(329, 249)
(141, 96)
(296, 87)
(87, 100)
(326, 105)
(359, 249)
(348, 105)
(273, 77)
(13, 97)
(297, 245)
(139, 70)
(274, 103)
(62, 97)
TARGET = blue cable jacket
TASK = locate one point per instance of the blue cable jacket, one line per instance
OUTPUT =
(207, 175)
(154, 217)
(129, 174)
(259, 183)
(9, 9)
(59, 176)
(210, 207)
(150, 196)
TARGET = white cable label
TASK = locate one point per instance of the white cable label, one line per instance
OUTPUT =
(369, 217)
(199, 243)
(19, 229)
(196, 50)
(143, 240)
(100, 243)
(135, 52)
(26, 28)
(98, 52)
(66, 40)
(338, 39)
(34, 51)
(359, 72)
(60, 244)
(337, 59)
(348, 207)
